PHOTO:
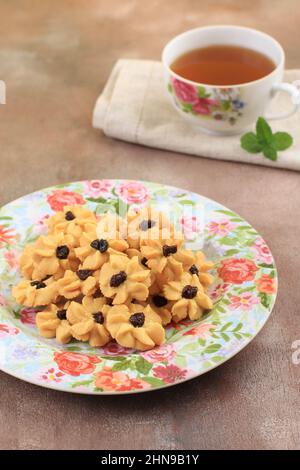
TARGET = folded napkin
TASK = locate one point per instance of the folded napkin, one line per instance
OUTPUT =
(134, 107)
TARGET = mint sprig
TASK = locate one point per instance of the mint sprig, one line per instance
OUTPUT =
(265, 141)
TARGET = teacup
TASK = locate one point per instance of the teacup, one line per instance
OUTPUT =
(225, 110)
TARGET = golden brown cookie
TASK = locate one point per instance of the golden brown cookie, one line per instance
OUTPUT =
(147, 224)
(123, 279)
(83, 281)
(94, 252)
(200, 267)
(35, 293)
(72, 220)
(53, 255)
(88, 321)
(52, 323)
(135, 326)
(189, 296)
(157, 253)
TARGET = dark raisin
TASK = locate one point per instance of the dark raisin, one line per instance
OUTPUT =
(78, 299)
(83, 274)
(169, 250)
(159, 301)
(189, 292)
(62, 252)
(101, 245)
(62, 314)
(146, 224)
(194, 269)
(117, 279)
(47, 277)
(109, 301)
(98, 317)
(137, 319)
(95, 244)
(98, 293)
(38, 284)
(144, 262)
(69, 216)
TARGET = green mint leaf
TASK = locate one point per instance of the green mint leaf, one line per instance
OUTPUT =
(282, 140)
(250, 143)
(263, 131)
(270, 152)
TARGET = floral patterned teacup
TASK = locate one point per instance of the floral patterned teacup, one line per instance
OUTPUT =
(232, 109)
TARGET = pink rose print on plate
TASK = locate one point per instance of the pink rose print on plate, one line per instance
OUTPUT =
(52, 375)
(132, 192)
(3, 302)
(221, 227)
(202, 331)
(162, 353)
(244, 301)
(61, 198)
(169, 373)
(184, 91)
(219, 291)
(237, 270)
(96, 188)
(191, 225)
(11, 258)
(7, 330)
(118, 381)
(75, 363)
(262, 252)
(28, 316)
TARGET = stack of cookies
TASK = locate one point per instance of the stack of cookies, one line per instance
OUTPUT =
(101, 278)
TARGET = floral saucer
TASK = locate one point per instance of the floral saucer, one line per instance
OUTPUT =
(244, 294)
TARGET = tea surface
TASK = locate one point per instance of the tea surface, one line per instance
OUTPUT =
(223, 65)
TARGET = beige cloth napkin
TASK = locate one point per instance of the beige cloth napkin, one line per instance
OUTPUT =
(134, 107)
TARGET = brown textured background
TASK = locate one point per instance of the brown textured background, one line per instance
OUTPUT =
(55, 57)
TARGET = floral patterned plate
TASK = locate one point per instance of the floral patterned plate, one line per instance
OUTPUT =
(244, 294)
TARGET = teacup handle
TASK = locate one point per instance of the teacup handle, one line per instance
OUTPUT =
(294, 93)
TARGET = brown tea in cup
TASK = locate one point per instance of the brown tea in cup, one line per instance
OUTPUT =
(223, 65)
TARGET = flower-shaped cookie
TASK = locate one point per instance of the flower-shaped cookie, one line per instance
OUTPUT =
(147, 224)
(52, 255)
(88, 321)
(52, 323)
(124, 279)
(135, 326)
(83, 281)
(189, 296)
(35, 293)
(200, 267)
(72, 220)
(157, 253)
(94, 252)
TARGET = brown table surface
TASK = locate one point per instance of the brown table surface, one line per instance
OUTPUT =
(55, 57)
